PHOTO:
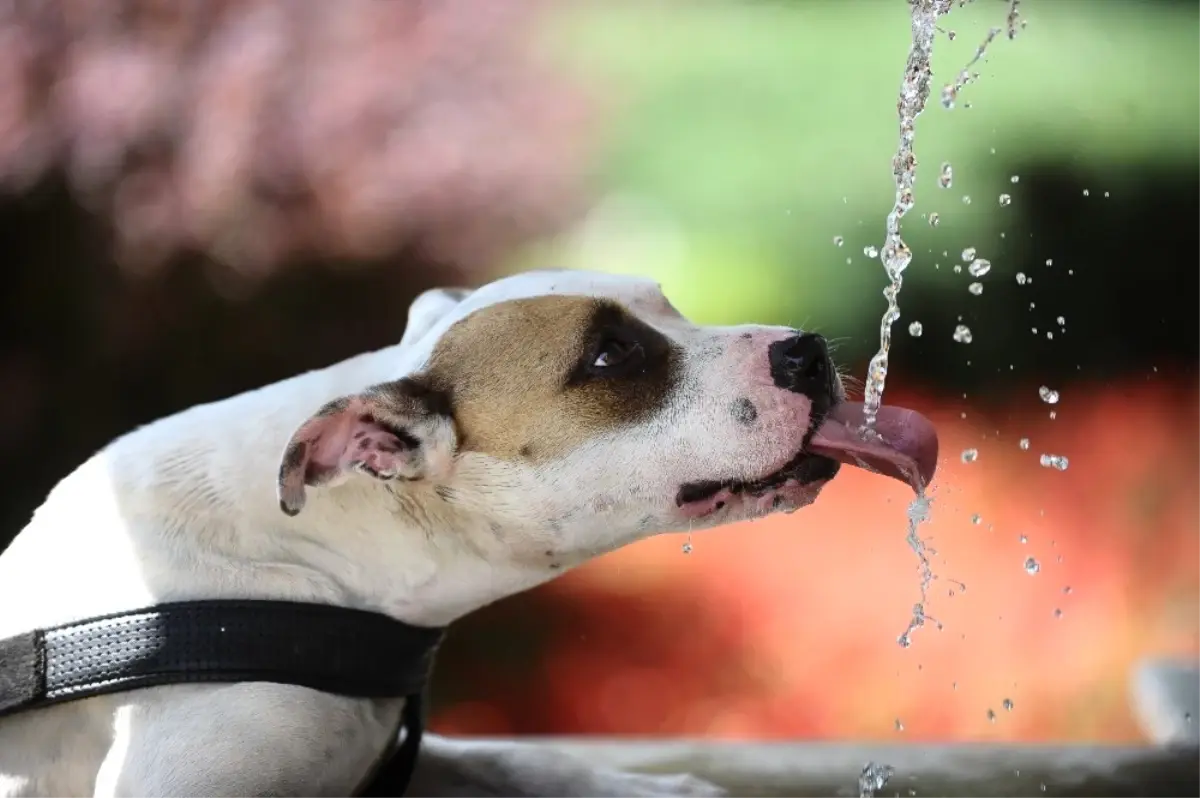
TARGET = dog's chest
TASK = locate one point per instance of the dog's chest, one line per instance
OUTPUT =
(251, 738)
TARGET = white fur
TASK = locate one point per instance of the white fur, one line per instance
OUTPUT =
(186, 508)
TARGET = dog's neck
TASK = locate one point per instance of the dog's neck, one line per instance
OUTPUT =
(187, 508)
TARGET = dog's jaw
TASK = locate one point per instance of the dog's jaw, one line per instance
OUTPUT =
(729, 504)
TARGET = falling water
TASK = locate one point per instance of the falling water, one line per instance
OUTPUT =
(896, 255)
(914, 92)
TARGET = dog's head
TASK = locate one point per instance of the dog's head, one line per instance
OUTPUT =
(584, 411)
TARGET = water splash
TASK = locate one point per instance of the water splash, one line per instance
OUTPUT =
(918, 513)
(1012, 22)
(1048, 395)
(1058, 462)
(914, 92)
(896, 255)
(873, 778)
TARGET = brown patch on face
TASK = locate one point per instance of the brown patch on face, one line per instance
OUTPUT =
(520, 379)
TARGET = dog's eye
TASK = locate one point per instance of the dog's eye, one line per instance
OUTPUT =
(614, 352)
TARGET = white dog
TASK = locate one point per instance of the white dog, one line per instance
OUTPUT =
(516, 431)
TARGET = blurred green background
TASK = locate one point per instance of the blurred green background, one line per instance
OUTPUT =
(750, 135)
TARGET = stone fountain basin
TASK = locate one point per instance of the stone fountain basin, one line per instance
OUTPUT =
(832, 769)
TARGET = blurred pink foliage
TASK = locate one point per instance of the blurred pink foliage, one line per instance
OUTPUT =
(260, 131)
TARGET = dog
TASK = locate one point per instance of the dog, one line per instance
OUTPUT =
(516, 431)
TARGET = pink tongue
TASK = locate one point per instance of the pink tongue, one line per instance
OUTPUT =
(906, 446)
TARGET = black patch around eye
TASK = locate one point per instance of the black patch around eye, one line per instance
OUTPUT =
(637, 346)
(636, 389)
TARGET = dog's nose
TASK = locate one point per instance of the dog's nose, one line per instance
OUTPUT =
(801, 364)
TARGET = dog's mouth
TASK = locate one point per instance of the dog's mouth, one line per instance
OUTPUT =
(904, 446)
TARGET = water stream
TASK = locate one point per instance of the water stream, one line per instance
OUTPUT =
(895, 253)
(896, 257)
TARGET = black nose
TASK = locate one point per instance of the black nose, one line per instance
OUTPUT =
(801, 364)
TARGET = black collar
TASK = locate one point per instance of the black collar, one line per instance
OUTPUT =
(332, 649)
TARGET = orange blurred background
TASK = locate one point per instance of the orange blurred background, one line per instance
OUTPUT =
(787, 627)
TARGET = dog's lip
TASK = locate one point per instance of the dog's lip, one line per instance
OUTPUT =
(805, 468)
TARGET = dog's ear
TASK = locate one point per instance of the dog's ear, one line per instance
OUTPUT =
(429, 308)
(398, 430)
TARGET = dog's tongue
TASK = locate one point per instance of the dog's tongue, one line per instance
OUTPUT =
(905, 445)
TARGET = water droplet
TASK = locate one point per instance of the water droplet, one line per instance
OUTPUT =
(991, 715)
(968, 254)
(687, 548)
(897, 258)
(1086, 193)
(1056, 461)
(1015, 179)
(970, 455)
(977, 519)
(1024, 538)
(1049, 395)
(951, 35)
(1066, 590)
(934, 219)
(946, 177)
(915, 329)
(1021, 278)
(1062, 321)
(1049, 261)
(1005, 200)
(838, 241)
(871, 252)
(966, 199)
(1057, 613)
(873, 778)
(1008, 705)
(979, 267)
(975, 288)
(1032, 566)
(1024, 444)
(899, 725)
(962, 334)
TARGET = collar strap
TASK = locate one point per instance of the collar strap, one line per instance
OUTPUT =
(333, 649)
